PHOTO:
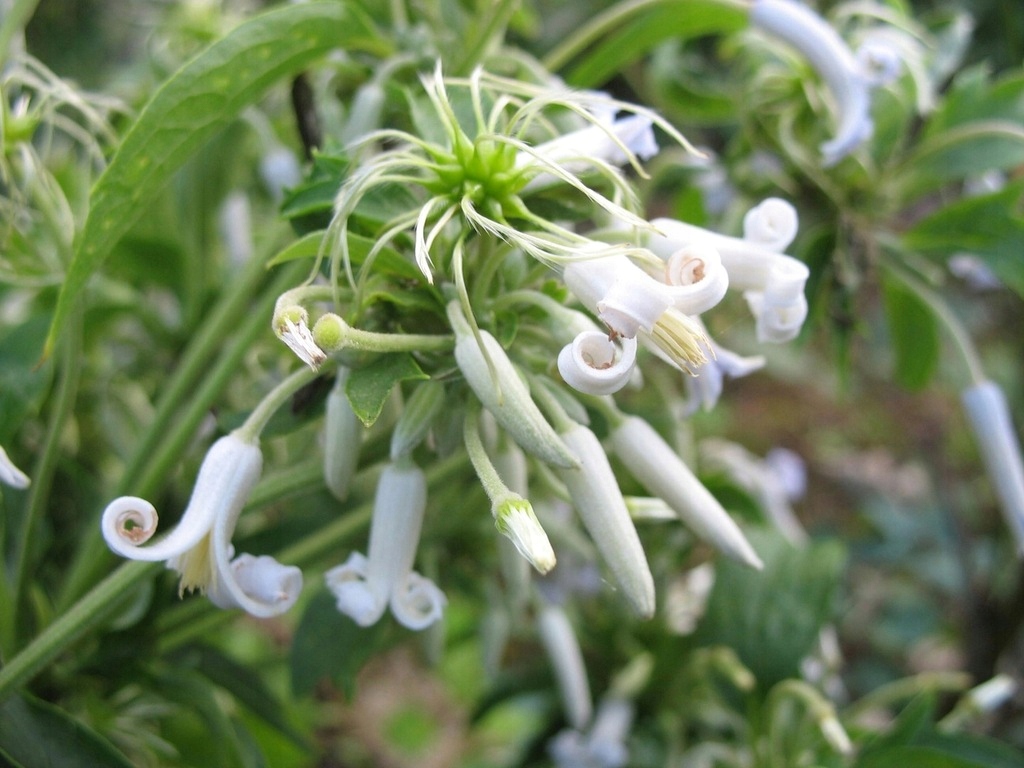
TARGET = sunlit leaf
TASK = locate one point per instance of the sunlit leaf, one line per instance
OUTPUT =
(367, 388)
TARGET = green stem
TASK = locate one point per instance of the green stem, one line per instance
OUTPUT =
(278, 396)
(44, 470)
(150, 470)
(72, 624)
(491, 481)
(961, 339)
(494, 28)
(14, 22)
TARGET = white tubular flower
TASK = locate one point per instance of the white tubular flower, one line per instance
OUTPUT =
(503, 393)
(199, 548)
(600, 505)
(650, 459)
(781, 308)
(772, 224)
(10, 474)
(989, 416)
(613, 144)
(365, 587)
(848, 78)
(629, 301)
(704, 388)
(773, 283)
(604, 745)
(343, 433)
(596, 365)
(563, 649)
(774, 481)
(696, 277)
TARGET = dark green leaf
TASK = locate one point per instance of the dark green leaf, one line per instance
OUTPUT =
(989, 226)
(772, 618)
(914, 332)
(918, 757)
(22, 382)
(197, 102)
(671, 19)
(330, 646)
(368, 387)
(246, 685)
(38, 735)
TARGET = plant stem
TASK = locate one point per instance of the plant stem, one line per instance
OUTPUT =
(42, 476)
(494, 28)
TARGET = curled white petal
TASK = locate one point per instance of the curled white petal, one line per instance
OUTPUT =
(10, 474)
(598, 501)
(228, 472)
(417, 602)
(363, 602)
(596, 365)
(651, 461)
(128, 522)
(618, 291)
(812, 36)
(772, 224)
(563, 649)
(262, 580)
(989, 417)
(781, 308)
(879, 62)
(704, 388)
(697, 278)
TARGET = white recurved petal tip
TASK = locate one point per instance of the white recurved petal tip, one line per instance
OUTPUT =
(846, 78)
(263, 580)
(598, 501)
(696, 277)
(649, 458)
(989, 417)
(10, 474)
(595, 365)
(704, 389)
(417, 602)
(772, 224)
(355, 596)
(781, 308)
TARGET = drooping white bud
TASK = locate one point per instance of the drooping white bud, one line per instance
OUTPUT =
(10, 474)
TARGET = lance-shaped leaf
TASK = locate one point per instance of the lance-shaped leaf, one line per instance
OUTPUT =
(197, 102)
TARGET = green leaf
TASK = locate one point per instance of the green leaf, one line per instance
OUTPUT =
(23, 383)
(918, 757)
(198, 101)
(772, 618)
(675, 19)
(368, 387)
(329, 645)
(34, 734)
(989, 226)
(246, 685)
(914, 332)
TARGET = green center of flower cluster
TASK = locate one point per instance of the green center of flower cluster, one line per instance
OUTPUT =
(482, 171)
